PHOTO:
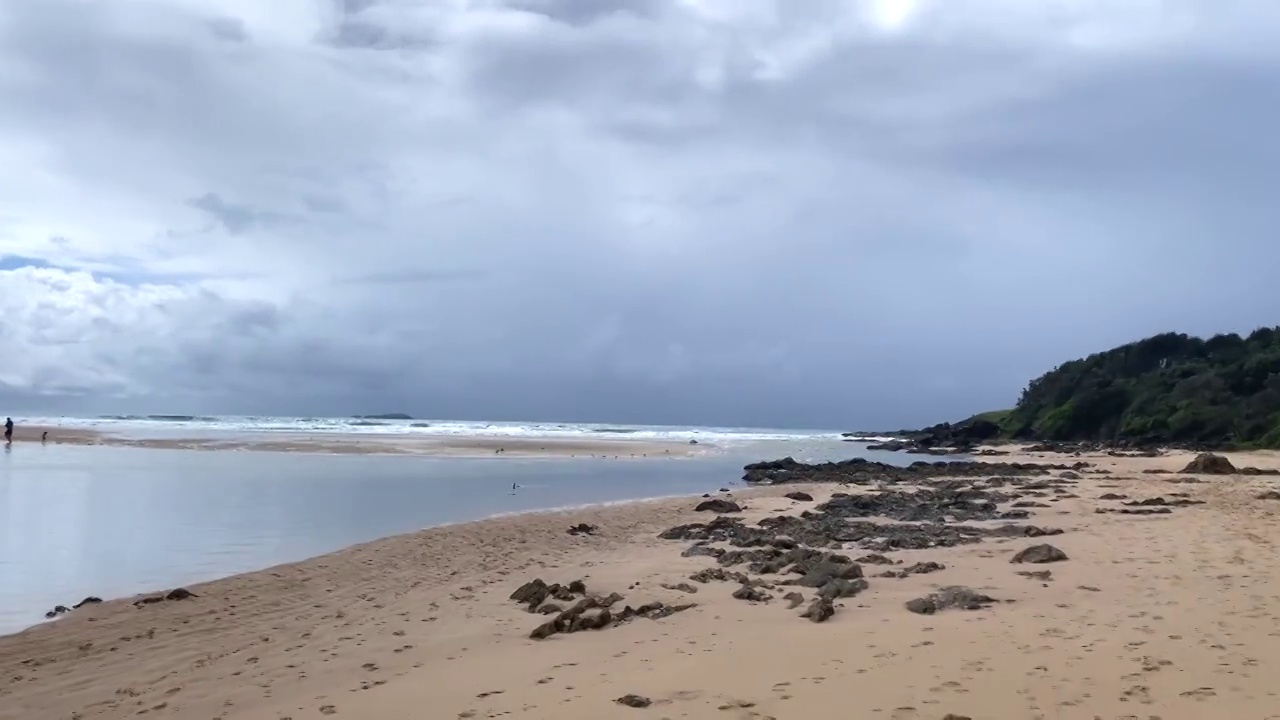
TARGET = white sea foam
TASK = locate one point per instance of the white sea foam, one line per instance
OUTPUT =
(172, 425)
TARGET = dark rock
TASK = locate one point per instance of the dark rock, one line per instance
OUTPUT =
(1209, 464)
(717, 574)
(799, 496)
(1036, 574)
(949, 597)
(751, 594)
(682, 587)
(1113, 496)
(56, 611)
(877, 559)
(637, 701)
(860, 471)
(718, 505)
(582, 529)
(578, 587)
(528, 592)
(922, 606)
(1069, 475)
(838, 588)
(180, 594)
(1269, 495)
(1162, 502)
(920, 568)
(550, 609)
(819, 610)
(1039, 554)
(794, 600)
(91, 600)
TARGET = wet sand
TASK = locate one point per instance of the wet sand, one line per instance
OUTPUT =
(374, 443)
(1170, 616)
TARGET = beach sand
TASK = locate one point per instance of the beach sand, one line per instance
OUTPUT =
(376, 444)
(1168, 616)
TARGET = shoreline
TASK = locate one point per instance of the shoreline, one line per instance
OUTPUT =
(385, 628)
(376, 444)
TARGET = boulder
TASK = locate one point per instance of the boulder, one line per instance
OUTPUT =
(718, 505)
(1039, 554)
(799, 496)
(1210, 464)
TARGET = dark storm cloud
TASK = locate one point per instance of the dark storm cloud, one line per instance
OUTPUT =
(646, 211)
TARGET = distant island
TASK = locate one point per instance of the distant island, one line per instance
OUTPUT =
(1171, 389)
(384, 416)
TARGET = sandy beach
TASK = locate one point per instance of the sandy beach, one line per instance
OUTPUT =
(1164, 615)
(374, 444)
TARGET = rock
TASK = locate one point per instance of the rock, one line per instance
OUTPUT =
(582, 529)
(527, 592)
(1069, 475)
(949, 597)
(953, 716)
(877, 559)
(838, 588)
(718, 574)
(1039, 554)
(637, 701)
(1209, 464)
(922, 606)
(578, 587)
(751, 594)
(819, 610)
(920, 568)
(718, 505)
(550, 609)
(1042, 575)
(1113, 496)
(682, 587)
(56, 611)
(1269, 495)
(91, 600)
(180, 594)
(794, 600)
(693, 442)
(799, 496)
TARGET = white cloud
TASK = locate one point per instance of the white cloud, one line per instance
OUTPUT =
(660, 209)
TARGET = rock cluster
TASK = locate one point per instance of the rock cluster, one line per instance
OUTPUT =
(859, 471)
(63, 609)
(948, 597)
(175, 594)
(798, 550)
(589, 612)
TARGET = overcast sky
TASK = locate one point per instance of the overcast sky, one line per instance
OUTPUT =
(804, 213)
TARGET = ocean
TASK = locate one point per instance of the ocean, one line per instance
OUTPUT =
(113, 521)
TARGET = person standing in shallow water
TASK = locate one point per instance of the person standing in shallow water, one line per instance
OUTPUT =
(8, 430)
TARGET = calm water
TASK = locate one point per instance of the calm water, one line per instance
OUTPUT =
(115, 521)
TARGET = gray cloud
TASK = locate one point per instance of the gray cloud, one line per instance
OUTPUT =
(778, 213)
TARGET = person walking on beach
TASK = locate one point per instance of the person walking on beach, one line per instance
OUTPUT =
(8, 430)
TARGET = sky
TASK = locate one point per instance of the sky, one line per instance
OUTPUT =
(786, 213)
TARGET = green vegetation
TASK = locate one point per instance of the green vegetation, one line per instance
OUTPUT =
(1167, 389)
(996, 416)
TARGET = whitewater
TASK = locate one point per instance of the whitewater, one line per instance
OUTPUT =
(170, 425)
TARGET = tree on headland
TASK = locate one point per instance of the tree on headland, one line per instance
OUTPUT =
(1167, 389)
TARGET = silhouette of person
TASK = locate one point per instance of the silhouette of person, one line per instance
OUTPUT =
(8, 430)
(44, 437)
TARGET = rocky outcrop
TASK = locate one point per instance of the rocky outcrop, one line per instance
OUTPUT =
(859, 471)
(589, 612)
